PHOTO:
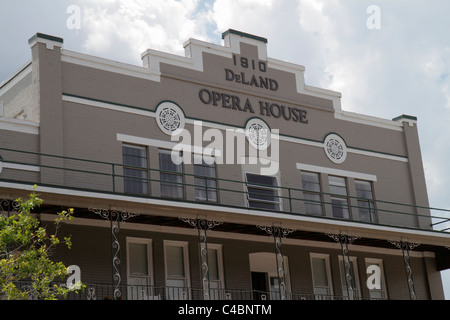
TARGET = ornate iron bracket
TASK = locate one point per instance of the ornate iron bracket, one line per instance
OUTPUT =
(278, 233)
(115, 217)
(7, 207)
(202, 225)
(406, 247)
(344, 240)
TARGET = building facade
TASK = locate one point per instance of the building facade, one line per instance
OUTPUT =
(218, 175)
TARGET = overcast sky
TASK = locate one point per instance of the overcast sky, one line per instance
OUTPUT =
(386, 57)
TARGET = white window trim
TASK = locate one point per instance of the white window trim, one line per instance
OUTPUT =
(354, 261)
(212, 160)
(144, 169)
(270, 269)
(149, 243)
(379, 262)
(345, 197)
(181, 174)
(218, 247)
(337, 172)
(319, 193)
(169, 145)
(185, 246)
(328, 267)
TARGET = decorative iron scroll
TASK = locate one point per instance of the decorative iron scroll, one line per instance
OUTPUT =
(278, 233)
(202, 225)
(406, 247)
(8, 207)
(344, 240)
(115, 217)
(91, 294)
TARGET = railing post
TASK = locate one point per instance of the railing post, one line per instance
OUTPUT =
(405, 247)
(278, 233)
(344, 241)
(202, 226)
(290, 200)
(113, 167)
(115, 217)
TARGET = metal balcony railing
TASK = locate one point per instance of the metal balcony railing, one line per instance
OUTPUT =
(156, 293)
(98, 176)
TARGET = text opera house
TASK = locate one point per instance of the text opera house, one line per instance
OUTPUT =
(218, 175)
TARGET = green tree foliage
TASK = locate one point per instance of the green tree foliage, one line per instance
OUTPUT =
(26, 270)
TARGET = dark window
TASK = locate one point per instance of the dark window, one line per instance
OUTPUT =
(366, 205)
(205, 180)
(135, 169)
(311, 193)
(339, 200)
(171, 176)
(262, 192)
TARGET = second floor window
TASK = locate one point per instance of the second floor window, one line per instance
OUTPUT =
(366, 204)
(262, 192)
(135, 169)
(311, 193)
(339, 199)
(205, 180)
(171, 176)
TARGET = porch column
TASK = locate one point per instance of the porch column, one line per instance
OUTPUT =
(115, 217)
(202, 226)
(344, 240)
(405, 247)
(278, 233)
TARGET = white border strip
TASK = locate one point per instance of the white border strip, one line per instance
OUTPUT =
(233, 236)
(16, 78)
(368, 120)
(377, 155)
(152, 114)
(109, 106)
(244, 212)
(19, 125)
(166, 144)
(15, 166)
(337, 172)
(108, 65)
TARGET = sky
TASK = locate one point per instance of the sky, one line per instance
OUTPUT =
(386, 57)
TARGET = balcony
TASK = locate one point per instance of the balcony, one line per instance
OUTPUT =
(157, 293)
(83, 175)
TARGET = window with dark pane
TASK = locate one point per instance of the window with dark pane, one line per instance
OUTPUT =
(366, 203)
(205, 180)
(262, 192)
(311, 193)
(135, 169)
(339, 199)
(171, 175)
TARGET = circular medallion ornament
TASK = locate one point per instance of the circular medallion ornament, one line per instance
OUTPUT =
(169, 117)
(335, 148)
(258, 134)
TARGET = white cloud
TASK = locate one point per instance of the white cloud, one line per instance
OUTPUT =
(446, 93)
(129, 27)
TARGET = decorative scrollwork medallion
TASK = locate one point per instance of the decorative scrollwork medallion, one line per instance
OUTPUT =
(335, 148)
(258, 134)
(169, 117)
